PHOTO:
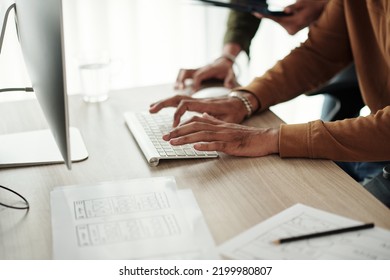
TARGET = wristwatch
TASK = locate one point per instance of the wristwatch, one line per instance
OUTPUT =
(244, 100)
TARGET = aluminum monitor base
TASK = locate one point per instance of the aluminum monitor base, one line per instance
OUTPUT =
(38, 148)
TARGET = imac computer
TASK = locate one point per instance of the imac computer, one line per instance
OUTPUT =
(40, 31)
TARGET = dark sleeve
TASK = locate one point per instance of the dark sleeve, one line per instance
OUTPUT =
(241, 28)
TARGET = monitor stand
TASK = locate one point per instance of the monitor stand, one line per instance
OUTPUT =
(38, 148)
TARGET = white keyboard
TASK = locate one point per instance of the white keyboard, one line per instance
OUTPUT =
(148, 130)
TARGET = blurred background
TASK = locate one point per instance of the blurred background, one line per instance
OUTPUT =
(147, 42)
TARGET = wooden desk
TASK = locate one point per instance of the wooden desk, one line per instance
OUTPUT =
(233, 193)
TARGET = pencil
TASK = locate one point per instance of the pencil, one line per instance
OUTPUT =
(324, 233)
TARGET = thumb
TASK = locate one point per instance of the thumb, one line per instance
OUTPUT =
(293, 8)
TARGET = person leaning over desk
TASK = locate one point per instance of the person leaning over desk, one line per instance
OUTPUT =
(346, 31)
(241, 29)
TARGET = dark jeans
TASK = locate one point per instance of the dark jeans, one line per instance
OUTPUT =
(343, 98)
(369, 174)
(339, 106)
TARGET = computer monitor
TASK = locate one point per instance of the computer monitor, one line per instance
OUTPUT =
(40, 31)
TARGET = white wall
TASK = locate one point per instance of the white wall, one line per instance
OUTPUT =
(148, 40)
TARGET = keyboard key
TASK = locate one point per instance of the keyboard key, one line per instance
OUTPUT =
(189, 152)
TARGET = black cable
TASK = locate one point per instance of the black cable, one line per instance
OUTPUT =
(2, 34)
(27, 89)
(15, 207)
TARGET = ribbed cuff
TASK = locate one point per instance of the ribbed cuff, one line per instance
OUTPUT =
(294, 140)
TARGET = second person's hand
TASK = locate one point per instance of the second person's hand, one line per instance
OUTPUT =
(221, 69)
(302, 14)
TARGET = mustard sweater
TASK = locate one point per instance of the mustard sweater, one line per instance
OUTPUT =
(348, 30)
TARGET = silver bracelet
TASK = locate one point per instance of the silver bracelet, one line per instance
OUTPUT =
(244, 100)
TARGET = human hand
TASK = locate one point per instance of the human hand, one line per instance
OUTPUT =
(221, 69)
(224, 108)
(303, 13)
(211, 134)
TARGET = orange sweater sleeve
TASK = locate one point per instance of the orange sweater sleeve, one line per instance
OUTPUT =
(346, 31)
(359, 139)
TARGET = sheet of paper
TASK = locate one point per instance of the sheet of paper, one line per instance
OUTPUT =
(256, 243)
(206, 248)
(135, 219)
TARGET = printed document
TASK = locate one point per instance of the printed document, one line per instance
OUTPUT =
(136, 219)
(257, 242)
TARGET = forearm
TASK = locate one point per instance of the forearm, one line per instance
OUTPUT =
(241, 28)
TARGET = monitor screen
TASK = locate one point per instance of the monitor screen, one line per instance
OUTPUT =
(40, 31)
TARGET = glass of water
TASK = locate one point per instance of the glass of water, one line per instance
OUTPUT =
(95, 76)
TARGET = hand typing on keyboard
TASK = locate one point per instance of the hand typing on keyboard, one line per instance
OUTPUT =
(208, 133)
(149, 129)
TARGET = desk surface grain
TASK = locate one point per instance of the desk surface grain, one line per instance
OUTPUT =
(234, 193)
